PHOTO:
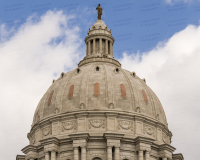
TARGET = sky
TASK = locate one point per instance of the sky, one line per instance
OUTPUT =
(157, 39)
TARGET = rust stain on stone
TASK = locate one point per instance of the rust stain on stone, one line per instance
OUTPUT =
(71, 91)
(96, 89)
(123, 90)
(50, 97)
(145, 96)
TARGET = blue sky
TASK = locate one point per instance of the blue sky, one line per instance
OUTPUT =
(159, 40)
(136, 25)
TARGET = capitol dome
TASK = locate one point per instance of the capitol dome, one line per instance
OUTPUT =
(99, 111)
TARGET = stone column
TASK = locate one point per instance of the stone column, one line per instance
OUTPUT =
(76, 157)
(147, 156)
(140, 155)
(53, 155)
(46, 155)
(94, 48)
(100, 45)
(89, 52)
(106, 46)
(83, 153)
(109, 153)
(111, 49)
(164, 158)
(117, 153)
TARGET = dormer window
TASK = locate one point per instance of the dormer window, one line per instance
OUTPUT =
(62, 75)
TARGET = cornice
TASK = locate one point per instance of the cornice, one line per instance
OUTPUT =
(29, 148)
(145, 140)
(99, 59)
(178, 156)
(115, 136)
(78, 136)
(51, 140)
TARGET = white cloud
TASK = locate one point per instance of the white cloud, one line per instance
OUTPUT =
(30, 56)
(172, 70)
(184, 1)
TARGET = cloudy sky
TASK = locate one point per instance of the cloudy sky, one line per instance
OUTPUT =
(158, 39)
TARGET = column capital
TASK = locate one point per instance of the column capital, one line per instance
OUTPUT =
(31, 155)
(109, 146)
(51, 148)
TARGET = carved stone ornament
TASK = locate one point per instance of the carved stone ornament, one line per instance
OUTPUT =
(126, 158)
(56, 110)
(97, 123)
(32, 139)
(47, 131)
(111, 106)
(125, 125)
(149, 130)
(138, 109)
(82, 106)
(68, 125)
(165, 138)
(96, 157)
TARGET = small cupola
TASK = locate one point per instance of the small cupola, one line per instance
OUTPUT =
(99, 42)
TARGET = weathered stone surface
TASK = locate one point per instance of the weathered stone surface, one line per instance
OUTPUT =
(71, 91)
(50, 97)
(96, 89)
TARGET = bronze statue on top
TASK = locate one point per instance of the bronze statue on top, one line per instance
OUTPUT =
(99, 11)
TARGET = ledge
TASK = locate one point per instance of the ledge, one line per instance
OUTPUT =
(99, 59)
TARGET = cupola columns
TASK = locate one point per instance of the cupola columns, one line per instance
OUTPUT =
(99, 42)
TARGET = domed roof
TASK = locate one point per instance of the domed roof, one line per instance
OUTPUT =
(99, 23)
(100, 85)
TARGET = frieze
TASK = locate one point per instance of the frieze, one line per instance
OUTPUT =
(47, 131)
(69, 125)
(97, 123)
(125, 125)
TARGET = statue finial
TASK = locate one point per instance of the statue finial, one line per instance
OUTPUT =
(99, 11)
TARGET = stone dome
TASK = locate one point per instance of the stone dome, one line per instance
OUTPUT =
(119, 91)
(99, 106)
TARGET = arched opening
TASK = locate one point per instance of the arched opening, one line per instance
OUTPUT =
(97, 68)
(96, 158)
(78, 70)
(117, 70)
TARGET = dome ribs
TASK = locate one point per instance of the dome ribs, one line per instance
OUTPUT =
(123, 90)
(71, 91)
(65, 83)
(50, 97)
(109, 97)
(96, 89)
(130, 86)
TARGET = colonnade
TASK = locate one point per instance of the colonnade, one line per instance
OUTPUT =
(92, 49)
(53, 155)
